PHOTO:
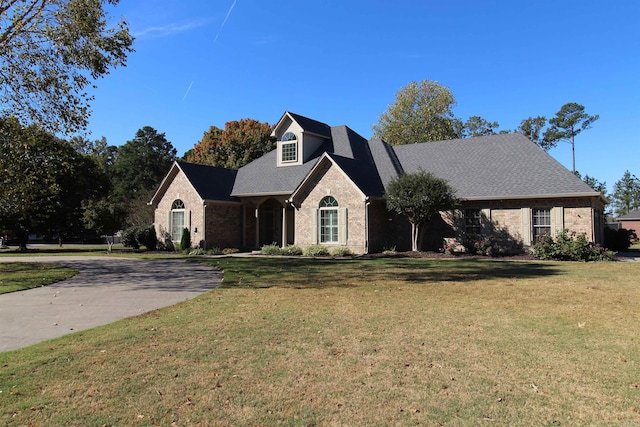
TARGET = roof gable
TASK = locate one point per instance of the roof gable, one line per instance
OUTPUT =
(308, 125)
(209, 182)
(362, 178)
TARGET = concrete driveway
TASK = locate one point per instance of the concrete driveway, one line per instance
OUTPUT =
(105, 290)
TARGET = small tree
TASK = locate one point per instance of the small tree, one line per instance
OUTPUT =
(419, 196)
(185, 241)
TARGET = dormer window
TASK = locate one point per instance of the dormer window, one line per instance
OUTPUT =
(289, 148)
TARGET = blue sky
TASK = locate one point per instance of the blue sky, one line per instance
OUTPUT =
(205, 62)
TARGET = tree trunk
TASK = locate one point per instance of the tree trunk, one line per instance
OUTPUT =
(415, 232)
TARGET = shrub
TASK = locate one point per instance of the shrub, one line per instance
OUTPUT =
(214, 251)
(147, 237)
(128, 238)
(569, 247)
(272, 249)
(617, 240)
(390, 251)
(197, 251)
(185, 241)
(229, 251)
(315, 250)
(168, 243)
(292, 250)
(340, 251)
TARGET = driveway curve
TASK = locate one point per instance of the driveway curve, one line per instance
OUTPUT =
(103, 291)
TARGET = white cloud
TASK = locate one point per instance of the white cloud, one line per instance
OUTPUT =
(167, 30)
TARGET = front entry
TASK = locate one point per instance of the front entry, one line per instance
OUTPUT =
(275, 224)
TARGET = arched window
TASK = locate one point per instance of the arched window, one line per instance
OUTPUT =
(289, 147)
(328, 220)
(176, 221)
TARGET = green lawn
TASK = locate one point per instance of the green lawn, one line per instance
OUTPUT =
(377, 342)
(18, 276)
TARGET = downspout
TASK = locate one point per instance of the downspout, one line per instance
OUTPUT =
(367, 202)
(204, 224)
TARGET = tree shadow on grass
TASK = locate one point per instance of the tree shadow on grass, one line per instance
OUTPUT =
(308, 273)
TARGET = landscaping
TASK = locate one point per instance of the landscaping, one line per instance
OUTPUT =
(388, 341)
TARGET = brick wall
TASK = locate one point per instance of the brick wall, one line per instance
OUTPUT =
(330, 181)
(224, 225)
(180, 188)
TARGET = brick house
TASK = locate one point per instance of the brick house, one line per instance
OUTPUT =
(631, 221)
(325, 185)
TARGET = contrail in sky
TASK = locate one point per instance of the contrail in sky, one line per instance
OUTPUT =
(225, 20)
(188, 90)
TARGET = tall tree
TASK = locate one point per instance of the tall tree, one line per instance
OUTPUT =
(532, 127)
(626, 194)
(419, 196)
(142, 162)
(138, 169)
(246, 140)
(478, 126)
(567, 123)
(51, 52)
(593, 183)
(43, 182)
(208, 151)
(422, 112)
(241, 142)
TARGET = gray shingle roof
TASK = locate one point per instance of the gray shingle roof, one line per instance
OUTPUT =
(496, 166)
(312, 126)
(211, 183)
(263, 177)
(633, 215)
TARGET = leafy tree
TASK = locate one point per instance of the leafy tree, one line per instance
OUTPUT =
(626, 194)
(246, 140)
(419, 196)
(105, 217)
(138, 169)
(241, 142)
(142, 163)
(43, 184)
(593, 183)
(532, 128)
(51, 51)
(476, 126)
(567, 123)
(422, 112)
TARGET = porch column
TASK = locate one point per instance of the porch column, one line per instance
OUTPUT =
(284, 225)
(257, 228)
(244, 225)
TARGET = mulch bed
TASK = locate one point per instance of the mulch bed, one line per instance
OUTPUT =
(442, 255)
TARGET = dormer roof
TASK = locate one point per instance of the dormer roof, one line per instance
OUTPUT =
(308, 125)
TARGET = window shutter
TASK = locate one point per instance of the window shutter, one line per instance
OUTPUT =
(169, 222)
(557, 220)
(526, 226)
(486, 222)
(314, 226)
(342, 226)
(187, 219)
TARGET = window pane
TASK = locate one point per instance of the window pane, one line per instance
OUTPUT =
(541, 223)
(473, 221)
(290, 152)
(177, 224)
(328, 225)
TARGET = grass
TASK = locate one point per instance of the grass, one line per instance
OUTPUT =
(377, 342)
(18, 276)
